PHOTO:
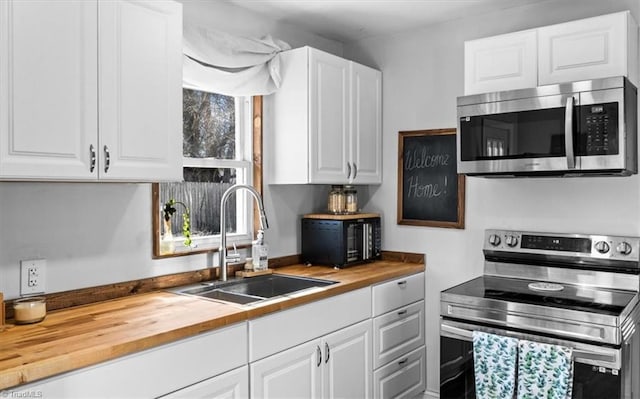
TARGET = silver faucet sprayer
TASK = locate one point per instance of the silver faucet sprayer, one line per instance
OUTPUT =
(223, 220)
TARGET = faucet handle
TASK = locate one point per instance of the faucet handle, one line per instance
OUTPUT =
(235, 255)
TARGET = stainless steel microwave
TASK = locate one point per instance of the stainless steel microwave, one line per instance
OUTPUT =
(579, 128)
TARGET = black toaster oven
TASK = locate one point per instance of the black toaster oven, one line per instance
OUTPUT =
(341, 240)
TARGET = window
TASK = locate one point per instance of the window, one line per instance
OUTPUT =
(217, 153)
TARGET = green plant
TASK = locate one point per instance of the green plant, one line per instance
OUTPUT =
(168, 211)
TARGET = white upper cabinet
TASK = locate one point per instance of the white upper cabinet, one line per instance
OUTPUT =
(366, 124)
(93, 90)
(140, 58)
(49, 95)
(502, 62)
(326, 121)
(591, 48)
(329, 103)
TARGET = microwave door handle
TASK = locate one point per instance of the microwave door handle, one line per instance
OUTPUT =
(568, 134)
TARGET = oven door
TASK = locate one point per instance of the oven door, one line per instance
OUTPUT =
(597, 369)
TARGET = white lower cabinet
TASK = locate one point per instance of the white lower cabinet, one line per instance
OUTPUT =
(398, 338)
(338, 365)
(348, 362)
(230, 385)
(153, 372)
(294, 373)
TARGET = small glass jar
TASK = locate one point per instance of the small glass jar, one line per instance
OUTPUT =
(351, 199)
(29, 310)
(336, 200)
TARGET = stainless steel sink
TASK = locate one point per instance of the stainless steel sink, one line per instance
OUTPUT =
(253, 289)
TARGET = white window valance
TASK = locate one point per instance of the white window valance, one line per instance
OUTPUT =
(231, 65)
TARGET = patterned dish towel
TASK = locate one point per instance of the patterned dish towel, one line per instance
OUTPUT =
(544, 371)
(494, 360)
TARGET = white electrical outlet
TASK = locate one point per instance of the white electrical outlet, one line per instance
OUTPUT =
(32, 276)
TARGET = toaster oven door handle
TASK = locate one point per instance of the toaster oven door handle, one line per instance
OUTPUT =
(568, 134)
(366, 239)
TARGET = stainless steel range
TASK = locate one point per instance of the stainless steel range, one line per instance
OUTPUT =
(575, 290)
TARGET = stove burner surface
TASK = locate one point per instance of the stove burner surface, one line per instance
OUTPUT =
(608, 302)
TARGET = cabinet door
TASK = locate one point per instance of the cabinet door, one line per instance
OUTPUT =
(294, 373)
(587, 49)
(366, 120)
(348, 365)
(502, 62)
(230, 385)
(140, 90)
(48, 100)
(328, 118)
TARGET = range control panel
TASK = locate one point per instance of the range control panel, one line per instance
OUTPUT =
(583, 245)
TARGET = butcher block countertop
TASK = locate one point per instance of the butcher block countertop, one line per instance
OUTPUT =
(81, 336)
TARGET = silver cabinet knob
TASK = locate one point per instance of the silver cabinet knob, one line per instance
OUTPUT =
(624, 248)
(602, 247)
(494, 240)
(511, 241)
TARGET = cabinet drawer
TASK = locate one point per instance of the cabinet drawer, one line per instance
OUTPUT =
(279, 331)
(397, 293)
(397, 333)
(402, 378)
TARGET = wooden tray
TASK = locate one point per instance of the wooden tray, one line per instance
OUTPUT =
(340, 217)
(252, 273)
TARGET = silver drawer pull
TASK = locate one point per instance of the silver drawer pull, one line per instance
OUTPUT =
(402, 312)
(403, 361)
(402, 283)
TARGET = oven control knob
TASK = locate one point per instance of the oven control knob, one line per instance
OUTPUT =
(511, 241)
(494, 240)
(602, 247)
(624, 248)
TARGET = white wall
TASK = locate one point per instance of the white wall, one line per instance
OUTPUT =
(422, 76)
(93, 234)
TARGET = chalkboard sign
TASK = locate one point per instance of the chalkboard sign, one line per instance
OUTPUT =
(430, 191)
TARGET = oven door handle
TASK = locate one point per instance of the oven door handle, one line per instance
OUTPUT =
(581, 353)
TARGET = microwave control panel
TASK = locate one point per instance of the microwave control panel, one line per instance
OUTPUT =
(598, 129)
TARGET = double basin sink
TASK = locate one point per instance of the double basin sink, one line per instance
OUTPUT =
(255, 289)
